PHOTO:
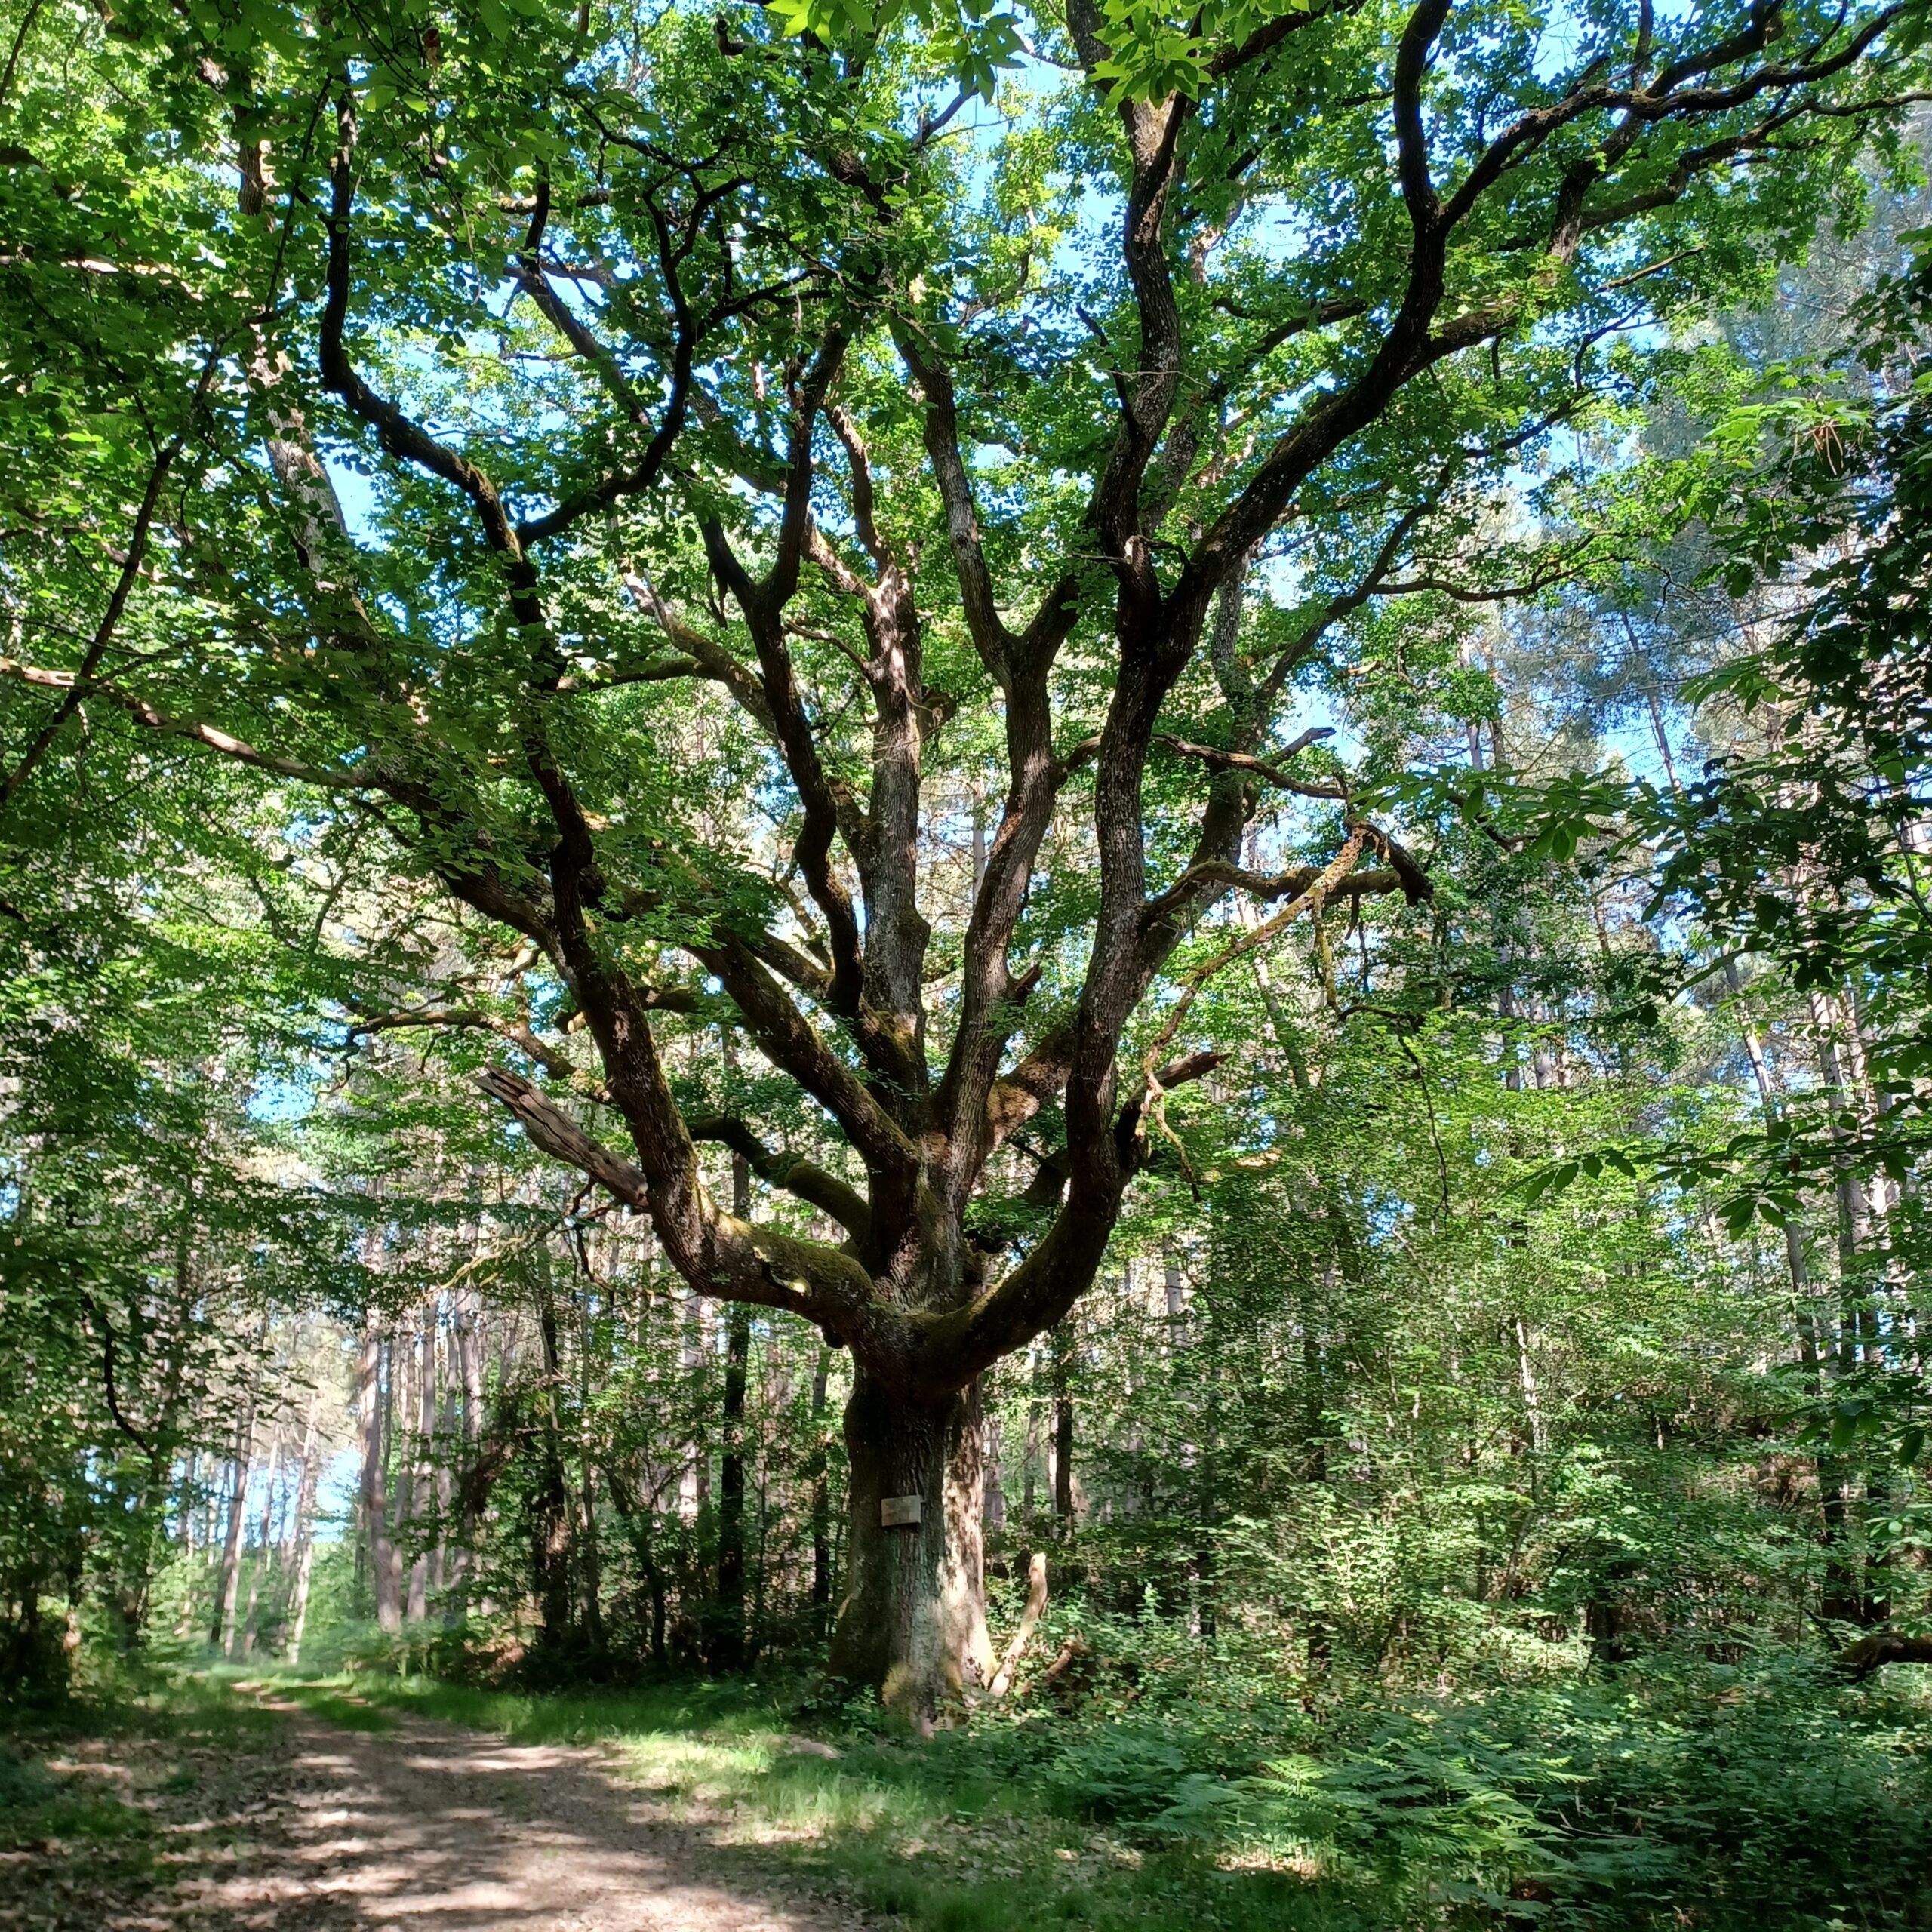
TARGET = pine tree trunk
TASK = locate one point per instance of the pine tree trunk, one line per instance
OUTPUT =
(468, 1343)
(254, 1611)
(913, 1623)
(422, 1485)
(304, 1528)
(223, 1633)
(401, 1470)
(384, 1570)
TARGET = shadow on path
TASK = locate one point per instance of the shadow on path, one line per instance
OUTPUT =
(422, 1828)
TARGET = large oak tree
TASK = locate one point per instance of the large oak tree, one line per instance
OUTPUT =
(833, 572)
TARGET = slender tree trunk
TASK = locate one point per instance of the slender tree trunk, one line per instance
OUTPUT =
(913, 1623)
(442, 1570)
(149, 1529)
(186, 1621)
(223, 1632)
(550, 1527)
(304, 1564)
(255, 1569)
(384, 1564)
(1505, 1009)
(1036, 1416)
(993, 1504)
(1315, 1302)
(638, 1515)
(729, 1646)
(1065, 1493)
(590, 1551)
(1207, 1509)
(422, 1478)
(694, 1484)
(405, 1409)
(821, 1496)
(1846, 1597)
(1532, 1415)
(1767, 1102)
(1841, 1599)
(468, 1346)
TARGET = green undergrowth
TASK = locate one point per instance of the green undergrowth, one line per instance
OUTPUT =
(1763, 1797)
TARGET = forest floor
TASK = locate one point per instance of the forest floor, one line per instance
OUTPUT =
(1774, 1798)
(213, 1805)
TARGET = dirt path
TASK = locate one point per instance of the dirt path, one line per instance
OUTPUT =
(428, 1826)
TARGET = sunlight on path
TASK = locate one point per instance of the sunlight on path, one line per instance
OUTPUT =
(431, 1827)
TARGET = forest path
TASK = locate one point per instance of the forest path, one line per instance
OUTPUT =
(428, 1826)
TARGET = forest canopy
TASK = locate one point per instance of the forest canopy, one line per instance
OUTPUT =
(1042, 857)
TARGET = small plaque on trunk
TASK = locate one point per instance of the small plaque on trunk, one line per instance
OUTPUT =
(896, 1511)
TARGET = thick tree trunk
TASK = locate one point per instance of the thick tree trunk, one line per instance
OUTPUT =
(913, 1623)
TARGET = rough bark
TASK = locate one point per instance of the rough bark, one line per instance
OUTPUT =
(913, 1621)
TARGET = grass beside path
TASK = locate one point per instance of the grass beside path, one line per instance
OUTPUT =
(1770, 1797)
(929, 1832)
(107, 1800)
